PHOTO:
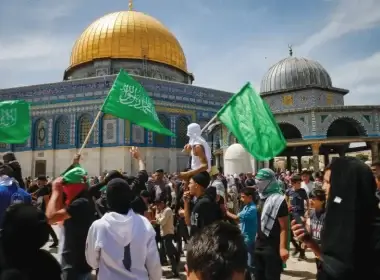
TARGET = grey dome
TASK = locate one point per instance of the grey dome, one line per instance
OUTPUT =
(293, 73)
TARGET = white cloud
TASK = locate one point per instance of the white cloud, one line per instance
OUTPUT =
(349, 16)
(361, 77)
(222, 65)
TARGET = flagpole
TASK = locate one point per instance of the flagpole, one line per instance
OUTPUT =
(209, 123)
(94, 123)
(90, 132)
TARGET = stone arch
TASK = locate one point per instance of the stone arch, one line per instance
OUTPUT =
(62, 131)
(181, 129)
(108, 130)
(290, 131)
(83, 128)
(161, 140)
(340, 126)
(40, 133)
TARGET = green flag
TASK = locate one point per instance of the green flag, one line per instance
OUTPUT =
(128, 100)
(14, 122)
(251, 121)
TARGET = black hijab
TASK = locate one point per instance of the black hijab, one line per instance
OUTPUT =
(25, 231)
(351, 234)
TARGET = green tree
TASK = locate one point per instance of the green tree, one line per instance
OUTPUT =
(362, 157)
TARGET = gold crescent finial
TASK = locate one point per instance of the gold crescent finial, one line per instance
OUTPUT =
(130, 5)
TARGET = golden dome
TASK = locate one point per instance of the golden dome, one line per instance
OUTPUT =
(128, 35)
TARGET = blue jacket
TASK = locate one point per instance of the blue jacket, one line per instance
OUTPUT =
(11, 193)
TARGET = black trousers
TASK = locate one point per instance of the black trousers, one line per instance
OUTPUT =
(181, 234)
(171, 251)
(53, 235)
(267, 266)
(297, 245)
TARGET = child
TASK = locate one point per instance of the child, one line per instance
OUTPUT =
(317, 216)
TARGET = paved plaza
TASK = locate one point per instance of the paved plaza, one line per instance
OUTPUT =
(296, 270)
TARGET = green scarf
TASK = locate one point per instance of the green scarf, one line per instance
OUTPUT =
(267, 178)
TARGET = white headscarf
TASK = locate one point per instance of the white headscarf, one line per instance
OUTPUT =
(194, 132)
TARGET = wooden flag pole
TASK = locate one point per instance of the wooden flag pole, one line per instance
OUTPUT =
(90, 132)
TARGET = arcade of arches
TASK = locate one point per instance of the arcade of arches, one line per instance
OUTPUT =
(339, 135)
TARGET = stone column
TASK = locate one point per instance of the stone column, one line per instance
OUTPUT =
(217, 161)
(299, 163)
(315, 148)
(375, 151)
(326, 159)
(271, 164)
(288, 162)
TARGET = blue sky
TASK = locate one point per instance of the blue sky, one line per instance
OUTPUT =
(227, 43)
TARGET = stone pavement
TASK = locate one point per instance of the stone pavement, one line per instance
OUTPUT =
(296, 270)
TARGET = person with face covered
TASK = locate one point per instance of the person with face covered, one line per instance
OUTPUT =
(9, 159)
(350, 239)
(271, 243)
(25, 231)
(77, 214)
(199, 151)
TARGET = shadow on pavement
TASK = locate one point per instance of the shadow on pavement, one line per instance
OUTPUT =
(304, 275)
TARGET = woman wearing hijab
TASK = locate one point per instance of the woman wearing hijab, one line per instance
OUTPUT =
(271, 243)
(25, 231)
(350, 239)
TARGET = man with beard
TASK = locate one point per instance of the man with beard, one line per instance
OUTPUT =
(77, 215)
(158, 185)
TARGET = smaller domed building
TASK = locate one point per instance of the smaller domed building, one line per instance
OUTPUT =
(311, 113)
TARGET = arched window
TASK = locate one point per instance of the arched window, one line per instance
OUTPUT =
(40, 133)
(162, 140)
(109, 123)
(84, 127)
(182, 138)
(138, 134)
(62, 130)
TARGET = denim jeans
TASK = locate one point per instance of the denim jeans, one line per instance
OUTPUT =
(251, 263)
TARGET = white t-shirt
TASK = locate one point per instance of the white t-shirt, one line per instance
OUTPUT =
(308, 187)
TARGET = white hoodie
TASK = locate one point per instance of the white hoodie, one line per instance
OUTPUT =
(123, 247)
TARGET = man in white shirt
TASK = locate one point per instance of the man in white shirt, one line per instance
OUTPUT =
(306, 183)
(122, 243)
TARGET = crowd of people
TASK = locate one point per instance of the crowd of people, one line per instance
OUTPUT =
(119, 226)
